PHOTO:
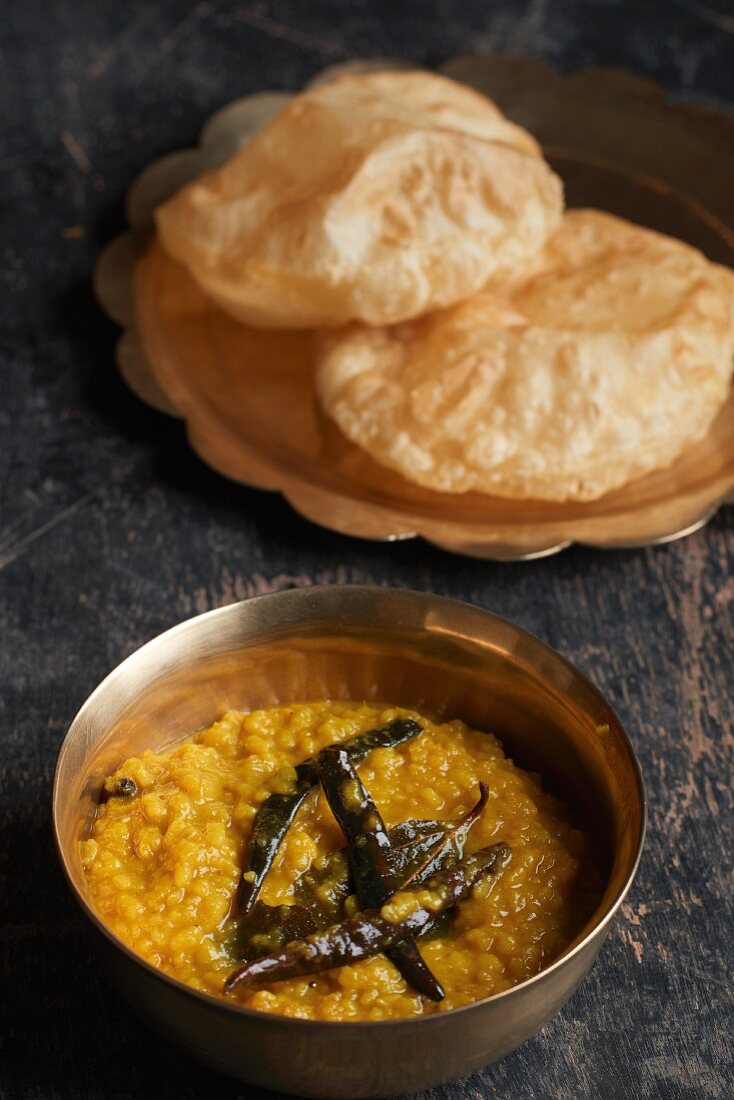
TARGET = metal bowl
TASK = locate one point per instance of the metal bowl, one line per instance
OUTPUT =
(440, 656)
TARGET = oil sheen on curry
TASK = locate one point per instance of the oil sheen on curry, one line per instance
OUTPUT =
(339, 861)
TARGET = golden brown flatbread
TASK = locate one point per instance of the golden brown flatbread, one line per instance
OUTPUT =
(376, 197)
(601, 364)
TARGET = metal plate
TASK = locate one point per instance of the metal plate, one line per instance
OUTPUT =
(249, 403)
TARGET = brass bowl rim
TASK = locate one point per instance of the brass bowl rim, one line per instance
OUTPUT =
(599, 925)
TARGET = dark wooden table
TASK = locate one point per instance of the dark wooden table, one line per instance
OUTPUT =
(111, 530)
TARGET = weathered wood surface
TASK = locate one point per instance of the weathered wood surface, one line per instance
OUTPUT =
(110, 530)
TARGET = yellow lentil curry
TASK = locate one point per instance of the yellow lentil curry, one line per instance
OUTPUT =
(163, 866)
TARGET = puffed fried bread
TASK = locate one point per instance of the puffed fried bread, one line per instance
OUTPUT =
(602, 363)
(375, 198)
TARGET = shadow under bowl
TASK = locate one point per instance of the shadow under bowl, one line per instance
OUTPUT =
(439, 656)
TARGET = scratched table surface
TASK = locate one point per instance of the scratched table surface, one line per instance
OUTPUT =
(111, 531)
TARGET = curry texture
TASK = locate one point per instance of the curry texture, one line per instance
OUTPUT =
(162, 867)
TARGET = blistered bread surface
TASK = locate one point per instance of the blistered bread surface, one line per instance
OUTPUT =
(374, 198)
(601, 363)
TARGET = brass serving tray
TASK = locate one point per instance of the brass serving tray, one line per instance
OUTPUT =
(248, 401)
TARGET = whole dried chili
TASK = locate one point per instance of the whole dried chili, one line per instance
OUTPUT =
(419, 858)
(373, 931)
(419, 849)
(325, 886)
(277, 812)
(371, 858)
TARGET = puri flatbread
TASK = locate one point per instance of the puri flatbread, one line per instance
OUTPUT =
(376, 198)
(603, 364)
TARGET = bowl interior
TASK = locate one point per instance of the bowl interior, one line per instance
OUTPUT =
(446, 659)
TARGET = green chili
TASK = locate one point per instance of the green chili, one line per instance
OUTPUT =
(267, 928)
